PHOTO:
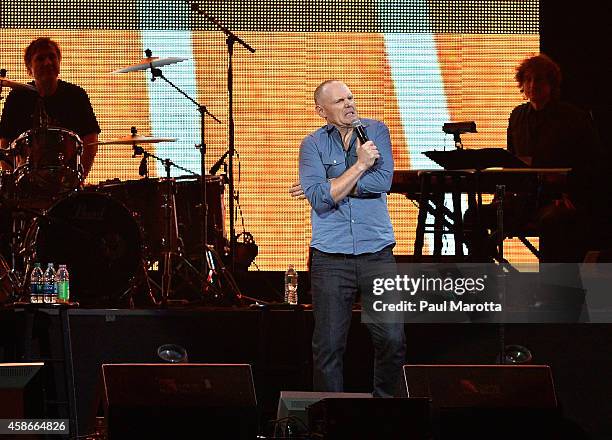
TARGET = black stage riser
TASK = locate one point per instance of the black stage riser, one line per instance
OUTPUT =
(277, 345)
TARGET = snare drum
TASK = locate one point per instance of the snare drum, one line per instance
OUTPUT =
(47, 162)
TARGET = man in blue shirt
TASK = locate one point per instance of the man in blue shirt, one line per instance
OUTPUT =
(346, 183)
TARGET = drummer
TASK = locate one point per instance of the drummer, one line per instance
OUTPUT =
(65, 105)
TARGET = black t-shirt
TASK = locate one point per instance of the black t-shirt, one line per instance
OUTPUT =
(69, 107)
(560, 135)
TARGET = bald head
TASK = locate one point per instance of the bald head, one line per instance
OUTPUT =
(321, 89)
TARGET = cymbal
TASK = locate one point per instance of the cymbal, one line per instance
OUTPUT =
(134, 139)
(16, 85)
(148, 62)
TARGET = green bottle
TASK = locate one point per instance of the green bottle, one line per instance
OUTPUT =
(62, 281)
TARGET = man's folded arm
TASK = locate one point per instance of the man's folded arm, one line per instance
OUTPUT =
(378, 178)
(313, 178)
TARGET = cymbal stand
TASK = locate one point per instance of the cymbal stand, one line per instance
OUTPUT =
(17, 277)
(230, 40)
(205, 257)
(9, 270)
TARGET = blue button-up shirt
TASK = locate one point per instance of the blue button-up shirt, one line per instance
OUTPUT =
(359, 223)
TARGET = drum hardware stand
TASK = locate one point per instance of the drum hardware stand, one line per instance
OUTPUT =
(135, 284)
(230, 40)
(219, 271)
(12, 275)
(18, 279)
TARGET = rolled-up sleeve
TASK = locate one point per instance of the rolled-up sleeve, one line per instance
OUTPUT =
(313, 177)
(378, 178)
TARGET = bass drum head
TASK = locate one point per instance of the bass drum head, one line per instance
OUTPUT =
(99, 241)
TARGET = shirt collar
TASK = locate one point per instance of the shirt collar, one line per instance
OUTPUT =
(330, 127)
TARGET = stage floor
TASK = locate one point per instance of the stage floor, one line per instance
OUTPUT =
(276, 343)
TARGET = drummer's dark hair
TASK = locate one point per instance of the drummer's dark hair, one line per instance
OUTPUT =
(38, 44)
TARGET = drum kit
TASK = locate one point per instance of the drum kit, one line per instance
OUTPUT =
(114, 234)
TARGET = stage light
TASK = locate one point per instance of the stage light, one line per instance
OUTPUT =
(517, 354)
(173, 353)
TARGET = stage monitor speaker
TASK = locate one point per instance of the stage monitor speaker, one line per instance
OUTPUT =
(21, 391)
(179, 401)
(380, 418)
(291, 415)
(488, 401)
(452, 386)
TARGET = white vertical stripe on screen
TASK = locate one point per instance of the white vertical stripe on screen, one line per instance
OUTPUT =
(173, 115)
(419, 87)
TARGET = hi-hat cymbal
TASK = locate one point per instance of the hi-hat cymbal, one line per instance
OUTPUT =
(150, 62)
(134, 139)
(16, 85)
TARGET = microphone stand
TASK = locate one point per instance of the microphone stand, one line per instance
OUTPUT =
(230, 40)
(500, 192)
(3, 75)
(157, 73)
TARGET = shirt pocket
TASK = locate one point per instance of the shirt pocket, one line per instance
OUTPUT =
(335, 164)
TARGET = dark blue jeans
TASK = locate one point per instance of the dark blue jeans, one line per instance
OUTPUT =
(336, 280)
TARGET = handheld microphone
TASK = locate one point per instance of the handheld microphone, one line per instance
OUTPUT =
(361, 133)
(360, 130)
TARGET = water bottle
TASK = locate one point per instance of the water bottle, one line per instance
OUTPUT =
(62, 284)
(36, 284)
(291, 285)
(50, 291)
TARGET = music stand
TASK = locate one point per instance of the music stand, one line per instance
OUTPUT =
(478, 159)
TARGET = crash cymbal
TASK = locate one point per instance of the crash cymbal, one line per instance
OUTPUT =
(16, 85)
(134, 139)
(148, 62)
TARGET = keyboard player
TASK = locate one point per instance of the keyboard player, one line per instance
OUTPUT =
(547, 132)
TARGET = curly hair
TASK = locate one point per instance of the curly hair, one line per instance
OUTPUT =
(38, 44)
(540, 65)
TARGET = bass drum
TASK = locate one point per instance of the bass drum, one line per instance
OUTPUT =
(99, 241)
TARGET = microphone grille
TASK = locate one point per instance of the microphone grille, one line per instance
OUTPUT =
(356, 123)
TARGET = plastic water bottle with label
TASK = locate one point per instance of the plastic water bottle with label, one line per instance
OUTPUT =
(37, 285)
(50, 290)
(62, 284)
(291, 285)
